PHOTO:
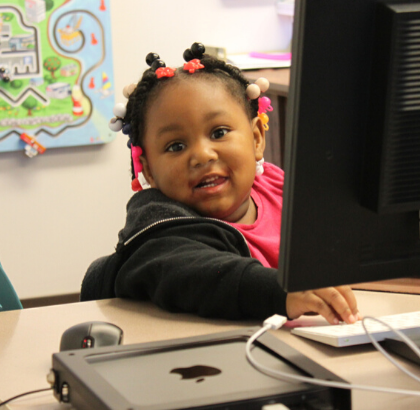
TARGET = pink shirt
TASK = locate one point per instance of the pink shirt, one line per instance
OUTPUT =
(263, 236)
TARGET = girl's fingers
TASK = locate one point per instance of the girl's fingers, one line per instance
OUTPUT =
(341, 301)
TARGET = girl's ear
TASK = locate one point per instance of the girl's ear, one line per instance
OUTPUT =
(146, 171)
(259, 138)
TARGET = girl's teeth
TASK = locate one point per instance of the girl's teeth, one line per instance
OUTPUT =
(209, 180)
(208, 183)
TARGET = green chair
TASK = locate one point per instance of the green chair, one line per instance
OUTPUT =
(8, 297)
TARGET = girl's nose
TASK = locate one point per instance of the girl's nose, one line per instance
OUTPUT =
(202, 153)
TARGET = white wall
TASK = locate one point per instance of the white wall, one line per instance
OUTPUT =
(62, 210)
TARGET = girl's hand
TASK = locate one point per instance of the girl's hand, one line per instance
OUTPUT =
(335, 304)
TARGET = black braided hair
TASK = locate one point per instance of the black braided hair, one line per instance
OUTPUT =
(149, 87)
(234, 81)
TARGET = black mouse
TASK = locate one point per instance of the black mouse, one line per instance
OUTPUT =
(91, 334)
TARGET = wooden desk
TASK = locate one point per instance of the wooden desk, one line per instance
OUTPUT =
(402, 285)
(278, 92)
(29, 337)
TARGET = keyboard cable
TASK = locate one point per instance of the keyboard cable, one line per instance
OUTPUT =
(277, 321)
(402, 336)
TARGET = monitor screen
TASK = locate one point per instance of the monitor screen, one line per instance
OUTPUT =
(352, 156)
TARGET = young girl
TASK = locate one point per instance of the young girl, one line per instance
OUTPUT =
(205, 237)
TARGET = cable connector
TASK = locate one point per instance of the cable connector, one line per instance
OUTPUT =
(275, 322)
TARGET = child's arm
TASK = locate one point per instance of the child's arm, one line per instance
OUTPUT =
(335, 304)
(198, 268)
(204, 268)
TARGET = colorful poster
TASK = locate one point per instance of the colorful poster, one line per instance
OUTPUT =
(56, 75)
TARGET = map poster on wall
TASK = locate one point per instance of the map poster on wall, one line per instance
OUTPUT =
(56, 75)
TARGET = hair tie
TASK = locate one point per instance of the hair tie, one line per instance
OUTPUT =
(135, 154)
(193, 65)
(158, 66)
(264, 105)
(264, 119)
(165, 72)
(192, 57)
(139, 182)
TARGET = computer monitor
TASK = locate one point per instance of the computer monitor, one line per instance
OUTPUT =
(352, 157)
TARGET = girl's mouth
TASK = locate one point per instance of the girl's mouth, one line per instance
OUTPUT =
(211, 182)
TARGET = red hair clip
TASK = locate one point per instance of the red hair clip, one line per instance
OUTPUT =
(193, 65)
(165, 72)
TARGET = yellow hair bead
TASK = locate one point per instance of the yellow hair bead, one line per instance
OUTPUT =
(264, 118)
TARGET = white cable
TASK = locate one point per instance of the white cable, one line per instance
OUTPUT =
(282, 375)
(404, 338)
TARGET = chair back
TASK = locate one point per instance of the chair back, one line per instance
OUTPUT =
(8, 298)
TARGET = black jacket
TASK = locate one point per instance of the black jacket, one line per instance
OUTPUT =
(184, 263)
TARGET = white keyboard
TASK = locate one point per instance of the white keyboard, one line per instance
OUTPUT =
(349, 335)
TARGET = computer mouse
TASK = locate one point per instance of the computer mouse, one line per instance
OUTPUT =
(91, 334)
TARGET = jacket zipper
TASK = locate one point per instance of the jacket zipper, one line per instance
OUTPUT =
(183, 218)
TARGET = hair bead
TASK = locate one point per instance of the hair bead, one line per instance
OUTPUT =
(188, 55)
(263, 83)
(115, 124)
(198, 50)
(128, 90)
(253, 91)
(157, 64)
(264, 119)
(264, 105)
(120, 110)
(151, 57)
(126, 129)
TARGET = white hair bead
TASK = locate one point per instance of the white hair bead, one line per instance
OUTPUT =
(253, 91)
(115, 124)
(263, 83)
(119, 110)
(128, 89)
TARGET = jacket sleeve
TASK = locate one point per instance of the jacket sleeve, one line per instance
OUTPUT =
(199, 269)
(99, 280)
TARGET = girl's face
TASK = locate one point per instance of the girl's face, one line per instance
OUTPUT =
(201, 148)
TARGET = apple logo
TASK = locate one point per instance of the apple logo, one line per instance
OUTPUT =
(196, 372)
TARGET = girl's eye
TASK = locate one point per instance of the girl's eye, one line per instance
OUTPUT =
(219, 133)
(175, 147)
